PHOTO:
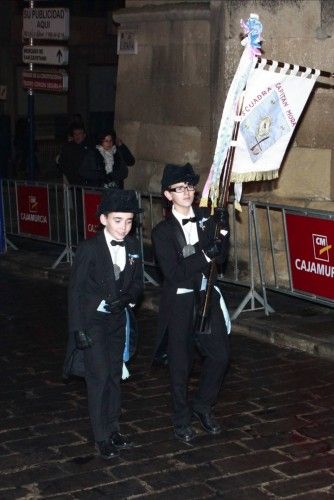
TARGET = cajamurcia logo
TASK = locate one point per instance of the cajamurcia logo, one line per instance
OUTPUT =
(33, 204)
(321, 247)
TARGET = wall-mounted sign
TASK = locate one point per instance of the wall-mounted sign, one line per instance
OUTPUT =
(46, 23)
(43, 54)
(49, 81)
(127, 41)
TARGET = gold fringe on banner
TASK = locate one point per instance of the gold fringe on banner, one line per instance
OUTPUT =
(268, 175)
(204, 202)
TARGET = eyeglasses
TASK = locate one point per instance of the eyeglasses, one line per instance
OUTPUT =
(182, 189)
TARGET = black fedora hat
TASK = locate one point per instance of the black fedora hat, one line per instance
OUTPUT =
(119, 200)
(173, 174)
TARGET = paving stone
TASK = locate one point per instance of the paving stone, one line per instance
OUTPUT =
(301, 484)
(319, 462)
(249, 461)
(116, 490)
(210, 453)
(277, 427)
(193, 492)
(13, 435)
(157, 422)
(238, 421)
(81, 426)
(182, 476)
(16, 493)
(42, 442)
(34, 474)
(246, 494)
(318, 431)
(245, 479)
(317, 495)
(13, 422)
(74, 483)
(309, 449)
(143, 467)
(76, 451)
(274, 441)
(25, 459)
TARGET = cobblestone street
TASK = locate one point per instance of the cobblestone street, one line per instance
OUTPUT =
(276, 409)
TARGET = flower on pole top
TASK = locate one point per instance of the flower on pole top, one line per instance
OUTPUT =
(252, 29)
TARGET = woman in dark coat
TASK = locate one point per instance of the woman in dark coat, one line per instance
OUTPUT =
(114, 157)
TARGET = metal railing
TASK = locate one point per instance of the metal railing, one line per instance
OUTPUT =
(259, 252)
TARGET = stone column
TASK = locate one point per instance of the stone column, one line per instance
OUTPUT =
(165, 92)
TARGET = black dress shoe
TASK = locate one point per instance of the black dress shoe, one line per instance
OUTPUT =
(208, 422)
(106, 450)
(119, 441)
(184, 433)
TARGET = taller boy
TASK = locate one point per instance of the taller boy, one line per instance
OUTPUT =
(184, 245)
(106, 281)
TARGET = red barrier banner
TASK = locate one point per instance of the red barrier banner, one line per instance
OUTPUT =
(311, 241)
(33, 210)
(91, 201)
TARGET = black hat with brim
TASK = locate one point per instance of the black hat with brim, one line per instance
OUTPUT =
(119, 200)
(173, 174)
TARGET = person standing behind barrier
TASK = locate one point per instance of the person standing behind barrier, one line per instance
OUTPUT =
(114, 157)
(72, 155)
(184, 243)
(106, 282)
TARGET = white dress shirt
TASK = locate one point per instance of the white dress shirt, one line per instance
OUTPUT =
(189, 229)
(117, 252)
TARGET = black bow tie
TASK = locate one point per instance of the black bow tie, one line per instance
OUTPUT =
(114, 243)
(185, 221)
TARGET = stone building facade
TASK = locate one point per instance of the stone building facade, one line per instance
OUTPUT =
(170, 95)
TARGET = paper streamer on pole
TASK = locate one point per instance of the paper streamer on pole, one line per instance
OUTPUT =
(253, 30)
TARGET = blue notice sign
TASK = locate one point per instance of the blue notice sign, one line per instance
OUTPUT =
(3, 247)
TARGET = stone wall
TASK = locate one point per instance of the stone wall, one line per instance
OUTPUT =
(171, 94)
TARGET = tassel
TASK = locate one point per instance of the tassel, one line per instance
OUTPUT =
(125, 372)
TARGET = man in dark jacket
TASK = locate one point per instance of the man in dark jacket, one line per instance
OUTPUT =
(106, 282)
(72, 155)
(184, 244)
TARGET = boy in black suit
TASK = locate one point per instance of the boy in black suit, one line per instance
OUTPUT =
(184, 244)
(106, 282)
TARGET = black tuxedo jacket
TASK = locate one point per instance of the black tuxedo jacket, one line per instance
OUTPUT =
(178, 271)
(92, 280)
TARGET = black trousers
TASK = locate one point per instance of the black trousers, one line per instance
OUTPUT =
(103, 368)
(215, 352)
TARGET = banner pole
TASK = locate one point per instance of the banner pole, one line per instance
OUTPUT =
(203, 313)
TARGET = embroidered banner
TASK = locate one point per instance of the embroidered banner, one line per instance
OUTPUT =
(273, 103)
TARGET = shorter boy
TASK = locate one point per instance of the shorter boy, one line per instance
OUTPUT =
(106, 282)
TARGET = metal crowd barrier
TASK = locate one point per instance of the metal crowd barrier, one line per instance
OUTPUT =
(283, 233)
(54, 211)
(259, 257)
